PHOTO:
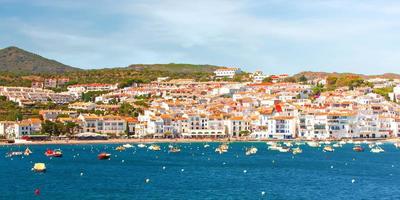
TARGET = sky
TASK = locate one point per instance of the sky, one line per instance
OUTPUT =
(275, 36)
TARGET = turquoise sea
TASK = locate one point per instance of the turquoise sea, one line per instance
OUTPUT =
(200, 173)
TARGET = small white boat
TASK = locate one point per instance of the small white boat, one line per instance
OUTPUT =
(251, 151)
(283, 149)
(289, 144)
(206, 145)
(377, 149)
(337, 145)
(313, 144)
(396, 144)
(327, 142)
(379, 143)
(154, 147)
(349, 141)
(342, 142)
(296, 150)
(141, 145)
(328, 149)
(274, 147)
(127, 146)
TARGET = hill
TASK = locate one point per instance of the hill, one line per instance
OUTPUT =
(16, 60)
(314, 75)
(174, 68)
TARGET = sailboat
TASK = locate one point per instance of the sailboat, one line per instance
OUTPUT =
(27, 151)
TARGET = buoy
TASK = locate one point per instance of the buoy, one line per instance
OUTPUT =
(223, 163)
(147, 180)
(352, 181)
(37, 191)
(331, 166)
(262, 193)
(182, 170)
(81, 173)
(163, 167)
(122, 160)
(273, 161)
(244, 171)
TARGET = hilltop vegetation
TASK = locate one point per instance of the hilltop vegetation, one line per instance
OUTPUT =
(16, 60)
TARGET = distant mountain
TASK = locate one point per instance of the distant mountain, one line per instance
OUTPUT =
(14, 59)
(172, 67)
(314, 75)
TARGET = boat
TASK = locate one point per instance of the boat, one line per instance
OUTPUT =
(271, 143)
(58, 153)
(120, 148)
(358, 148)
(342, 142)
(27, 152)
(397, 144)
(379, 143)
(337, 145)
(328, 149)
(174, 150)
(274, 147)
(283, 149)
(289, 144)
(154, 147)
(313, 144)
(377, 149)
(349, 141)
(251, 151)
(127, 146)
(141, 145)
(296, 150)
(327, 142)
(206, 145)
(14, 153)
(53, 153)
(103, 156)
(223, 148)
(39, 167)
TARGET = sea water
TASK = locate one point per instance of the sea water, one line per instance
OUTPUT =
(201, 173)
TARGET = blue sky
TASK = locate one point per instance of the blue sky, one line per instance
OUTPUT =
(275, 36)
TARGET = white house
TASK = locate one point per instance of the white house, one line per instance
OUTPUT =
(227, 72)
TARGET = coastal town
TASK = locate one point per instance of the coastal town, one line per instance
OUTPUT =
(265, 107)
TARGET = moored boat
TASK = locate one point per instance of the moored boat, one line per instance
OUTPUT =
(120, 148)
(313, 144)
(358, 148)
(296, 150)
(154, 147)
(39, 167)
(127, 146)
(328, 149)
(174, 150)
(14, 153)
(27, 152)
(377, 149)
(103, 156)
(53, 153)
(141, 145)
(251, 151)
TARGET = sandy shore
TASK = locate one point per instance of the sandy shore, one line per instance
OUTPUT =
(180, 140)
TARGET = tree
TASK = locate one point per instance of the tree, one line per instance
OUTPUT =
(167, 134)
(244, 133)
(70, 127)
(267, 80)
(303, 79)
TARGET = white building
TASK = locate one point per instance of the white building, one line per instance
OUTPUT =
(282, 127)
(227, 72)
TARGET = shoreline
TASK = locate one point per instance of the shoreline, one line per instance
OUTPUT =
(180, 140)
